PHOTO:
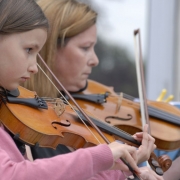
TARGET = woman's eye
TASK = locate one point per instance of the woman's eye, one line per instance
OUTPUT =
(28, 50)
(85, 48)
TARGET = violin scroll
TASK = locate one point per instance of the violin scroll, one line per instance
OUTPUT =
(160, 164)
(165, 162)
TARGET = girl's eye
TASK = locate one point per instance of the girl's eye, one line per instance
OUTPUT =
(28, 50)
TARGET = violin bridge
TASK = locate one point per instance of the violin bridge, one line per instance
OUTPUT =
(59, 106)
(120, 97)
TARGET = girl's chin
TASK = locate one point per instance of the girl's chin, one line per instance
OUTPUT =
(13, 87)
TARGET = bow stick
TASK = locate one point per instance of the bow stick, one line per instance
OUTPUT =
(143, 100)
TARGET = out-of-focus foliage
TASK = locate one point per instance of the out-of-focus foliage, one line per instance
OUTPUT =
(115, 68)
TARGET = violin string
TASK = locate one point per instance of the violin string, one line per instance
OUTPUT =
(155, 112)
(158, 113)
(95, 116)
(126, 96)
(53, 100)
(69, 103)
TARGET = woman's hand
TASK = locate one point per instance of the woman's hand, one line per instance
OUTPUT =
(128, 153)
(147, 145)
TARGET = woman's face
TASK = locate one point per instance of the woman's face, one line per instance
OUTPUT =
(74, 62)
(18, 52)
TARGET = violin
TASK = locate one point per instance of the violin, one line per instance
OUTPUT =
(49, 123)
(37, 124)
(124, 113)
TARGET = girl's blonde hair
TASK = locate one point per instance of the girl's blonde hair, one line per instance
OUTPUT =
(67, 18)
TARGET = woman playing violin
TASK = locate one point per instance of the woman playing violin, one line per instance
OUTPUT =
(23, 32)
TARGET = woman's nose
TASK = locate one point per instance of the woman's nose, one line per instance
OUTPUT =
(94, 61)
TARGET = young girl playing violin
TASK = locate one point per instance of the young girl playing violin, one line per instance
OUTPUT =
(23, 32)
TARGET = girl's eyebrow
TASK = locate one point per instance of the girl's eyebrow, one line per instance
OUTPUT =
(35, 45)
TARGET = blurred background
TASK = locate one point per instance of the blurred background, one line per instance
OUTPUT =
(158, 22)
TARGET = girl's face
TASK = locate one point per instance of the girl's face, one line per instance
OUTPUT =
(74, 62)
(18, 52)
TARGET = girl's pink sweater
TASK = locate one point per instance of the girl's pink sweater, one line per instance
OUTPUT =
(89, 163)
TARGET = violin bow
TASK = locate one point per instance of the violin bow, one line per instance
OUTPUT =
(88, 119)
(141, 81)
(153, 161)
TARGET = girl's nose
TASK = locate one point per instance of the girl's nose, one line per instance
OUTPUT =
(33, 67)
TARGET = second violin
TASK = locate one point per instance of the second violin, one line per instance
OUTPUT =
(121, 111)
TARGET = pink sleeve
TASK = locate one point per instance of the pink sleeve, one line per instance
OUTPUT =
(109, 175)
(81, 164)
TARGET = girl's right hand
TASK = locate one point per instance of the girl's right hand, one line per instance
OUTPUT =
(147, 145)
(127, 153)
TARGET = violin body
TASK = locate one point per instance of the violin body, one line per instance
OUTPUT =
(125, 114)
(46, 128)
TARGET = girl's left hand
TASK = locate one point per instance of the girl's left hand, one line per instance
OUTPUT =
(147, 145)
